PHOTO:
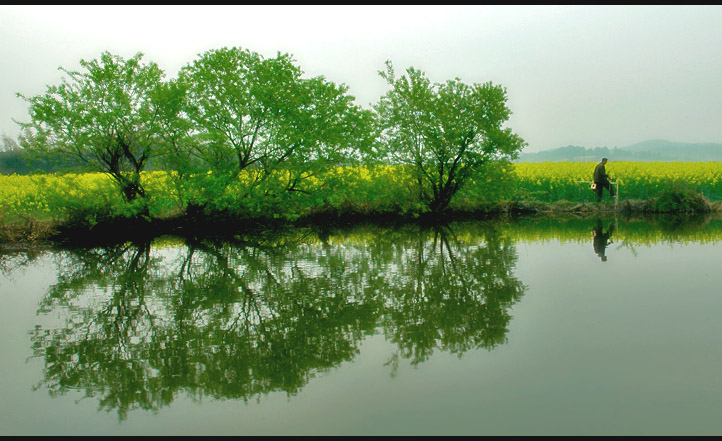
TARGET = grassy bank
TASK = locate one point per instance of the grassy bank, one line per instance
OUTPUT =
(119, 229)
(71, 207)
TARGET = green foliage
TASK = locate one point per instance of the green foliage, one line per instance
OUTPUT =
(490, 184)
(84, 208)
(103, 117)
(255, 115)
(447, 132)
(680, 199)
(240, 135)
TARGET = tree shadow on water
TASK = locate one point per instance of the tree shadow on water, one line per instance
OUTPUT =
(141, 323)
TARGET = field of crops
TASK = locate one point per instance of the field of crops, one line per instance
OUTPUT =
(380, 189)
(552, 181)
(55, 196)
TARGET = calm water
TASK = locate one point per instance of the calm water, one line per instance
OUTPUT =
(534, 327)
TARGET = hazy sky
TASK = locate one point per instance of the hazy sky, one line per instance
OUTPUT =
(582, 75)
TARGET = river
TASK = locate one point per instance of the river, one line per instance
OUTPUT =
(534, 326)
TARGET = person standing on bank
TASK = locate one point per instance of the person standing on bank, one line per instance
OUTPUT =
(601, 180)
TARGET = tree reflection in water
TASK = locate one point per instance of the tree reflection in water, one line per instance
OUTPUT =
(237, 319)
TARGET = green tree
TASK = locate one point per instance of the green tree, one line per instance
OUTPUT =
(259, 115)
(8, 144)
(177, 133)
(445, 132)
(104, 117)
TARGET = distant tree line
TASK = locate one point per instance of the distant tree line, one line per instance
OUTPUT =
(233, 113)
(653, 150)
(16, 160)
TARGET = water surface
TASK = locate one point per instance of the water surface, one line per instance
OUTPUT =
(539, 326)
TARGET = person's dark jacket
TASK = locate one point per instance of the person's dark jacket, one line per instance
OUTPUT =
(600, 174)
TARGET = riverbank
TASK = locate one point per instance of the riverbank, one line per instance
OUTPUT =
(34, 232)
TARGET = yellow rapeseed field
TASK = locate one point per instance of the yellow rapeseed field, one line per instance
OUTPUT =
(637, 180)
(51, 196)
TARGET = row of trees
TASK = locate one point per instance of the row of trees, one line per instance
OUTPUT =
(232, 111)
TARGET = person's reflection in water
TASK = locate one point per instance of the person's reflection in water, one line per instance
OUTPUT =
(601, 239)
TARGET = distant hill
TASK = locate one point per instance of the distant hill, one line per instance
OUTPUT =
(653, 150)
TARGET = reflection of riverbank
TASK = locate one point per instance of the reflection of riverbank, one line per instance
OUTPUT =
(631, 228)
(558, 221)
(628, 207)
(29, 232)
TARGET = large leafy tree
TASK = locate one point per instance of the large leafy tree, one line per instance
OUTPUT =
(259, 115)
(445, 132)
(104, 116)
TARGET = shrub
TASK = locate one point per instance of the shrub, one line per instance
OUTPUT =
(680, 199)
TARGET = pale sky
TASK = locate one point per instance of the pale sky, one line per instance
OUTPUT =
(575, 75)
